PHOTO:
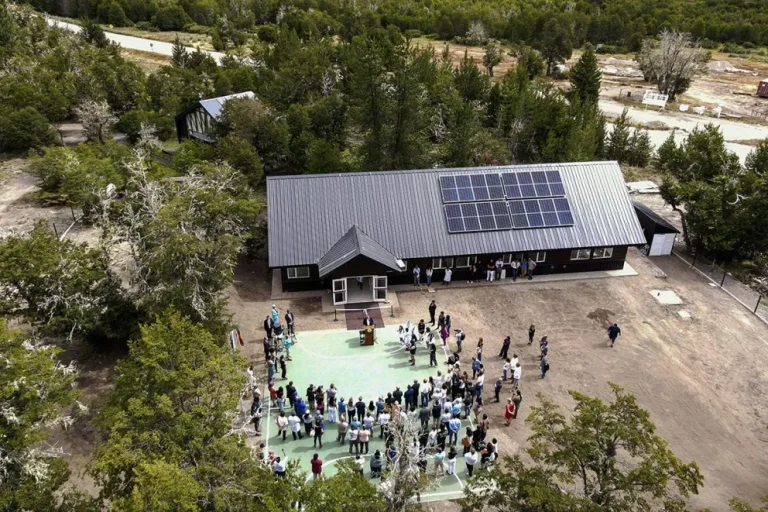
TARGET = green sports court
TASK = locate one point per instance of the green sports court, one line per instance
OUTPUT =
(336, 357)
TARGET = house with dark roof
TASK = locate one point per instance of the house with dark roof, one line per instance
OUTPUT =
(199, 120)
(660, 234)
(358, 233)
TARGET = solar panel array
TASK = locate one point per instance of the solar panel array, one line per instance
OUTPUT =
(471, 187)
(483, 216)
(539, 213)
(520, 185)
(476, 202)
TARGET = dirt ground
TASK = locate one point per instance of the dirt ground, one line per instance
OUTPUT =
(698, 377)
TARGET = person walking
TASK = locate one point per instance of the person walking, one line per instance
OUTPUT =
(509, 411)
(363, 436)
(447, 277)
(544, 365)
(531, 267)
(471, 459)
(268, 325)
(614, 332)
(317, 467)
(429, 276)
(416, 275)
(432, 309)
(515, 265)
(505, 348)
(283, 367)
(531, 333)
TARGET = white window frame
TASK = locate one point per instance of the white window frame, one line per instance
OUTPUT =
(579, 254)
(379, 288)
(296, 272)
(604, 253)
(540, 256)
(507, 258)
(442, 263)
(471, 260)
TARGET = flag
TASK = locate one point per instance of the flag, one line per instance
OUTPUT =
(240, 336)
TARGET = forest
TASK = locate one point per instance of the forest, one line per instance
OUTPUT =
(621, 23)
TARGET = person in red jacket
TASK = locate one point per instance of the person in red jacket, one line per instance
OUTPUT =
(509, 412)
(317, 467)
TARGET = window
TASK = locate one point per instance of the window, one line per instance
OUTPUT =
(580, 254)
(438, 263)
(298, 272)
(465, 261)
(602, 252)
(539, 257)
(507, 258)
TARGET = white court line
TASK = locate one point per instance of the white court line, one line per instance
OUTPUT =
(269, 419)
(356, 356)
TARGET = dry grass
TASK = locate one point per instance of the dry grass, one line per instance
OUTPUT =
(148, 62)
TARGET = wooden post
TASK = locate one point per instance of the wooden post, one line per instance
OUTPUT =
(55, 231)
(759, 298)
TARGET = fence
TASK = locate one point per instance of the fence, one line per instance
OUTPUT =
(719, 275)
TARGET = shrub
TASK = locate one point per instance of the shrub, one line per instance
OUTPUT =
(610, 48)
(24, 129)
(112, 14)
(241, 155)
(172, 17)
(146, 25)
(130, 124)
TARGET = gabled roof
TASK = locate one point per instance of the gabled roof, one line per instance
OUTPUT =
(213, 105)
(355, 243)
(403, 212)
(655, 217)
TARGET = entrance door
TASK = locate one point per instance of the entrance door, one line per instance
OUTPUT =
(379, 288)
(339, 291)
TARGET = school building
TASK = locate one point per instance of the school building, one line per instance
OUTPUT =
(326, 231)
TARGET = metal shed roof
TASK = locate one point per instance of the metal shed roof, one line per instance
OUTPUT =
(355, 243)
(213, 105)
(403, 212)
(655, 217)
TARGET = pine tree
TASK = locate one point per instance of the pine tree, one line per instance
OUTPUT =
(585, 77)
(617, 147)
(179, 54)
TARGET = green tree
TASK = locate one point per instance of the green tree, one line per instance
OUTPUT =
(93, 34)
(469, 81)
(34, 389)
(179, 54)
(171, 17)
(492, 57)
(618, 144)
(531, 59)
(739, 505)
(8, 35)
(555, 43)
(609, 452)
(240, 154)
(60, 287)
(673, 63)
(585, 77)
(346, 491)
(24, 129)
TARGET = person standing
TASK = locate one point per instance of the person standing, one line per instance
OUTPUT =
(332, 409)
(432, 309)
(353, 434)
(363, 436)
(447, 277)
(497, 390)
(454, 425)
(359, 282)
(256, 413)
(509, 411)
(307, 419)
(475, 367)
(471, 459)
(288, 343)
(499, 265)
(451, 460)
(531, 333)
(294, 423)
(614, 332)
(275, 316)
(282, 424)
(460, 336)
(432, 354)
(505, 348)
(412, 351)
(383, 424)
(506, 369)
(544, 365)
(441, 320)
(523, 267)
(517, 399)
(421, 329)
(518, 372)
(531, 267)
(416, 275)
(429, 276)
(342, 430)
(290, 325)
(319, 429)
(278, 467)
(268, 325)
(282, 367)
(317, 467)
(515, 269)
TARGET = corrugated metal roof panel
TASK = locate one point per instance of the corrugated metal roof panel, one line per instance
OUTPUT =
(355, 242)
(403, 212)
(213, 105)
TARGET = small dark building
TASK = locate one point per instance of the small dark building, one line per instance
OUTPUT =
(762, 88)
(199, 121)
(660, 234)
(356, 233)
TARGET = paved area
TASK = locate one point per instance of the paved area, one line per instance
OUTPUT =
(336, 357)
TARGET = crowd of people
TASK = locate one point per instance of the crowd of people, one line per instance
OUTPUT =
(490, 271)
(439, 402)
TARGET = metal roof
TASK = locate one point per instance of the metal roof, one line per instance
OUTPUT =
(403, 211)
(213, 105)
(655, 217)
(355, 243)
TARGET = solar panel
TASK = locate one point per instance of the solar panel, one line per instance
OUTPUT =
(537, 213)
(532, 184)
(479, 216)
